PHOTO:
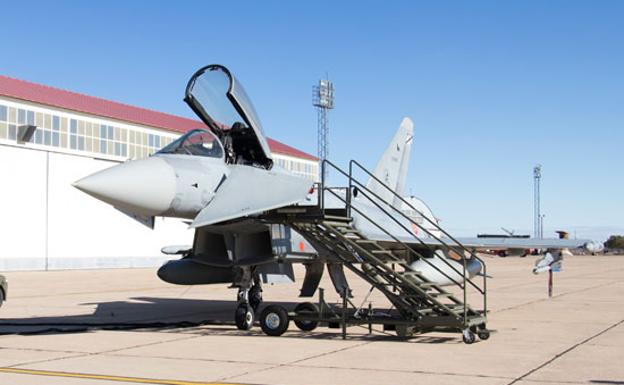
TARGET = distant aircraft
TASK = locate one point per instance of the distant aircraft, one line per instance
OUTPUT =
(506, 252)
(594, 247)
(252, 219)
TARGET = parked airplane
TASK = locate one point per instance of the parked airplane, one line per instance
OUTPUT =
(594, 247)
(252, 218)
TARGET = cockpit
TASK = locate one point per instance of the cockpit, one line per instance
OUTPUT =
(195, 142)
(221, 102)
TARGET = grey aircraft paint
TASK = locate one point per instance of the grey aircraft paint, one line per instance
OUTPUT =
(223, 178)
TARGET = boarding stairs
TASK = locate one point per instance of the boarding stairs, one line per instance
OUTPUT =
(422, 305)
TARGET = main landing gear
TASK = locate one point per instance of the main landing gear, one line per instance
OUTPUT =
(249, 299)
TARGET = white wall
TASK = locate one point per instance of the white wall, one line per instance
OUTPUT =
(22, 208)
(82, 232)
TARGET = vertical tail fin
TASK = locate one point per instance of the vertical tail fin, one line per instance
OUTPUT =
(392, 167)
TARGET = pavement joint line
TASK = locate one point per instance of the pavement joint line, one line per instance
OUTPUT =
(567, 277)
(15, 366)
(191, 359)
(185, 338)
(227, 378)
(559, 355)
(41, 350)
(135, 380)
(402, 371)
(553, 297)
(557, 382)
(87, 354)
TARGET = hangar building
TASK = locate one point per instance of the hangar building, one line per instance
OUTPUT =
(45, 222)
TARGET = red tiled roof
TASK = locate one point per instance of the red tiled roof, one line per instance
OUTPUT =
(55, 97)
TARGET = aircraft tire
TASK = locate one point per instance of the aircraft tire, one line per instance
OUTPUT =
(483, 334)
(244, 317)
(309, 307)
(274, 320)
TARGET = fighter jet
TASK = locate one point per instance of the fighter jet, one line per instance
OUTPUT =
(252, 219)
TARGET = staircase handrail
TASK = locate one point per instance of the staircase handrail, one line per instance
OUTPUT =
(442, 243)
(401, 242)
(438, 227)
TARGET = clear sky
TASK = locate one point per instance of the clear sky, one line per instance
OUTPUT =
(493, 87)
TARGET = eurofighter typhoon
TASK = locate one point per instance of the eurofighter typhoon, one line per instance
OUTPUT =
(253, 219)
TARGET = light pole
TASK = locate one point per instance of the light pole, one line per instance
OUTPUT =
(323, 100)
(538, 219)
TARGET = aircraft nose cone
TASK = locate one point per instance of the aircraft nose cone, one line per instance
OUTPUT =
(146, 186)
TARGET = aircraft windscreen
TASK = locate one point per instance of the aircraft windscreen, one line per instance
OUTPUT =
(196, 142)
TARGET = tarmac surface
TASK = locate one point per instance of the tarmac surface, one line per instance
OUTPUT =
(577, 336)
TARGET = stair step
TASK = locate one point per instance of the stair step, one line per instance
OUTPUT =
(396, 262)
(410, 273)
(348, 230)
(336, 224)
(440, 295)
(381, 252)
(413, 296)
(365, 241)
(337, 218)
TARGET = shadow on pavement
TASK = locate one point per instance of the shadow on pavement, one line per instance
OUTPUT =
(203, 317)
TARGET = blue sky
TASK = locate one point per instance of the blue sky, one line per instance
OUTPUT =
(492, 88)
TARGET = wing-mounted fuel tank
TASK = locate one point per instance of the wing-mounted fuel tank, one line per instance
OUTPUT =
(445, 268)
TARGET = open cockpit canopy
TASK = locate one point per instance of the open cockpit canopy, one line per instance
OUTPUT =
(221, 102)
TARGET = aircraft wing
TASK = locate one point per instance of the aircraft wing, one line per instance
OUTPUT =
(490, 243)
(520, 243)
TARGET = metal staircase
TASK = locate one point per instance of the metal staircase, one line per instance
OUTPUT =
(421, 305)
(415, 297)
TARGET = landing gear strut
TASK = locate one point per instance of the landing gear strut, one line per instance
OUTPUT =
(255, 295)
(249, 299)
